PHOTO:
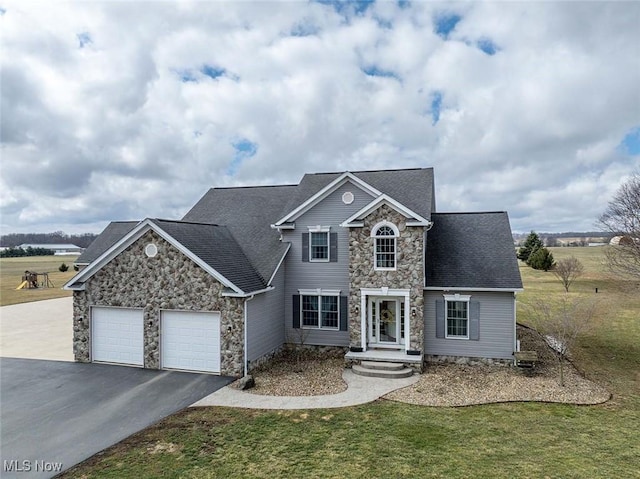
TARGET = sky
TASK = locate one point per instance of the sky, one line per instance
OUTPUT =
(114, 110)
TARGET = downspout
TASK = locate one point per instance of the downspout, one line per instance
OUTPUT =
(246, 341)
(515, 322)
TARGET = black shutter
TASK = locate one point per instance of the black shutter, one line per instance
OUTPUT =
(344, 313)
(296, 311)
(440, 318)
(305, 247)
(333, 247)
(474, 320)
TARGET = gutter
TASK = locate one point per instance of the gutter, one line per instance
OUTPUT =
(248, 295)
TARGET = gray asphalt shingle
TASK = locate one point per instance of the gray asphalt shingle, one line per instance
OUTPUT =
(216, 246)
(105, 240)
(411, 187)
(229, 229)
(468, 250)
(248, 212)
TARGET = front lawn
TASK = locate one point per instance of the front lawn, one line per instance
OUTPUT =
(395, 440)
(383, 439)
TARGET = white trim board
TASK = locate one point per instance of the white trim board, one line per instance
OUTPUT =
(377, 203)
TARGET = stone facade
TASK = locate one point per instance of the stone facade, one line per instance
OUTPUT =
(469, 361)
(409, 272)
(168, 281)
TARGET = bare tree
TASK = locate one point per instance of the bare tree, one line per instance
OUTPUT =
(622, 218)
(562, 322)
(568, 270)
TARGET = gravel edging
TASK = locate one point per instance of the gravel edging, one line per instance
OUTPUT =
(442, 384)
(308, 377)
(459, 385)
(454, 385)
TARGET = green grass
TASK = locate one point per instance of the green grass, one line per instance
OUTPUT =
(12, 270)
(394, 440)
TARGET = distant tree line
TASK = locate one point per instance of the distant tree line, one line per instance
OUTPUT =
(565, 234)
(16, 239)
(19, 252)
(554, 239)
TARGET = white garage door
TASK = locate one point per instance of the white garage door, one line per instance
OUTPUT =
(191, 341)
(117, 335)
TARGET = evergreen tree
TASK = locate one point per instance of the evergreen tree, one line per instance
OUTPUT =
(541, 259)
(532, 243)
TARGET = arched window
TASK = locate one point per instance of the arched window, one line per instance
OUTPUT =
(384, 235)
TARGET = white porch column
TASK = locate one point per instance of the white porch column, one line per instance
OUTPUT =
(407, 323)
(363, 320)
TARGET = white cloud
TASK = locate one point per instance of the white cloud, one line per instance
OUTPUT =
(109, 131)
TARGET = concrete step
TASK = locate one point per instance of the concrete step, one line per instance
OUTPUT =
(382, 366)
(381, 373)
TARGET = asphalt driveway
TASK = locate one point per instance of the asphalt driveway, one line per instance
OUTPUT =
(62, 412)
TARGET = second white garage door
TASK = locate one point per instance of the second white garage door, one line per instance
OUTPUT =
(190, 341)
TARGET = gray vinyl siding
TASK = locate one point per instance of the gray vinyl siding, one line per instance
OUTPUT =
(497, 327)
(265, 327)
(302, 275)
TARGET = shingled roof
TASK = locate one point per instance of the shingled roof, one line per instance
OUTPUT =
(471, 250)
(411, 187)
(242, 217)
(248, 212)
(216, 246)
(105, 240)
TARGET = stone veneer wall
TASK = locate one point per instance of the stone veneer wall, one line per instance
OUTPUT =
(409, 273)
(167, 281)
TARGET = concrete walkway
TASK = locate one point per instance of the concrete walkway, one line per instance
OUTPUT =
(38, 330)
(360, 390)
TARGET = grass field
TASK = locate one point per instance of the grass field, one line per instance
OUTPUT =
(394, 440)
(12, 270)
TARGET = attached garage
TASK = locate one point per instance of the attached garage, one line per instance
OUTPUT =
(117, 335)
(190, 341)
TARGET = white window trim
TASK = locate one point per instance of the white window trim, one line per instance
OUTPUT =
(395, 245)
(320, 229)
(466, 298)
(319, 293)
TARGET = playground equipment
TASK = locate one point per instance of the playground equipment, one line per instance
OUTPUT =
(30, 281)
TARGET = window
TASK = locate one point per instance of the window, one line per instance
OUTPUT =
(319, 311)
(309, 311)
(319, 246)
(457, 319)
(384, 235)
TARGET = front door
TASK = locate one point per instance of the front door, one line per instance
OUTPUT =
(386, 321)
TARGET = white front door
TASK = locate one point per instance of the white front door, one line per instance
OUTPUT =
(386, 321)
(190, 341)
(117, 335)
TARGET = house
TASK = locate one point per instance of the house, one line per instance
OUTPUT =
(354, 260)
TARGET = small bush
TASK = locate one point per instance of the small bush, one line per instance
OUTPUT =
(541, 259)
(63, 268)
(76, 267)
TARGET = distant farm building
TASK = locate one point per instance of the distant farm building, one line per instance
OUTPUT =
(58, 249)
(621, 240)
